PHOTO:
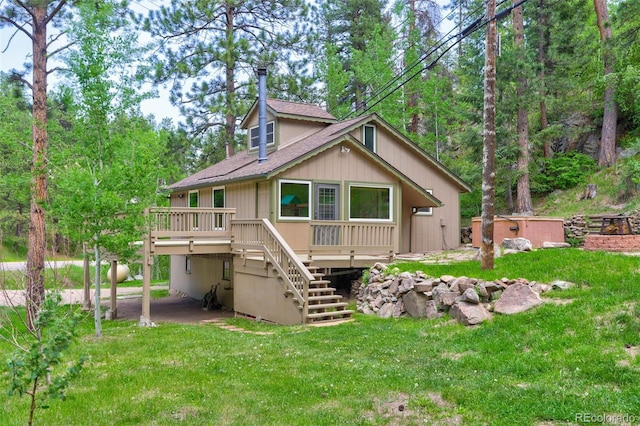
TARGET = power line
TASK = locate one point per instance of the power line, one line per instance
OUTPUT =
(477, 24)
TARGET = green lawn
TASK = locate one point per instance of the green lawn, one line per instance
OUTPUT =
(557, 364)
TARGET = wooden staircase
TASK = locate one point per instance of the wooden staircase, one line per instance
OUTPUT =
(304, 284)
(324, 305)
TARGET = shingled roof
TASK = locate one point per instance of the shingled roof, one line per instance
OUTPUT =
(244, 165)
(294, 110)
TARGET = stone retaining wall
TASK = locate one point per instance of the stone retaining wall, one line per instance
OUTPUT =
(616, 243)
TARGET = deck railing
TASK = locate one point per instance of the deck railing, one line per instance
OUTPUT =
(191, 222)
(342, 237)
(260, 235)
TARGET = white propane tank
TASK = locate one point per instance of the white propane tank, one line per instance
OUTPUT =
(122, 272)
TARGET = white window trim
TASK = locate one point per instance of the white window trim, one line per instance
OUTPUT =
(273, 138)
(426, 213)
(365, 185)
(309, 188)
(375, 136)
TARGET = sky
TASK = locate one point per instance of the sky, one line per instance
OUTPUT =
(14, 51)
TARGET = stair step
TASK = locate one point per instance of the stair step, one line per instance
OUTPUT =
(327, 305)
(324, 297)
(321, 290)
(319, 283)
(330, 314)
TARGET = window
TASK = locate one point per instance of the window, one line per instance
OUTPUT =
(370, 202)
(425, 211)
(226, 270)
(254, 135)
(218, 202)
(194, 201)
(294, 199)
(369, 137)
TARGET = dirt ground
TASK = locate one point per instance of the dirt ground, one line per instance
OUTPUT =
(173, 308)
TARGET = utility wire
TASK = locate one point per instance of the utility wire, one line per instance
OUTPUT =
(477, 24)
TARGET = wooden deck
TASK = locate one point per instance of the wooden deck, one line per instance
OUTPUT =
(331, 245)
(194, 231)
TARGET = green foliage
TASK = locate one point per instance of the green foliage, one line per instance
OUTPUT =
(37, 368)
(563, 171)
(630, 184)
(15, 160)
(212, 50)
(550, 362)
(106, 171)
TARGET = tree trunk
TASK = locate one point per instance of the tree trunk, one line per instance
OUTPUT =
(37, 225)
(97, 314)
(607, 155)
(489, 143)
(412, 103)
(230, 119)
(543, 47)
(525, 206)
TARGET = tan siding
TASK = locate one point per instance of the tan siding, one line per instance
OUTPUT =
(177, 201)
(425, 232)
(242, 197)
(335, 165)
(293, 130)
(205, 196)
(264, 200)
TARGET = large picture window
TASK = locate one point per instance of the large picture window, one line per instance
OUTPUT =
(370, 202)
(294, 199)
(254, 135)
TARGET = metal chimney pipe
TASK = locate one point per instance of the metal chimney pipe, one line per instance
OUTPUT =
(262, 115)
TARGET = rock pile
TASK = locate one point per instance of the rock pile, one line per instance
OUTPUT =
(469, 300)
(578, 226)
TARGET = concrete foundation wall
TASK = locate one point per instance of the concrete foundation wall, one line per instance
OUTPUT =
(194, 276)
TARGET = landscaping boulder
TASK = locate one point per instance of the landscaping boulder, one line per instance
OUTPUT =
(517, 244)
(562, 285)
(386, 311)
(469, 313)
(415, 304)
(551, 244)
(470, 296)
(431, 310)
(517, 298)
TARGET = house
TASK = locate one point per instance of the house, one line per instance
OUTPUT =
(325, 196)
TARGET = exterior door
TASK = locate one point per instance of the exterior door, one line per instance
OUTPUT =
(327, 207)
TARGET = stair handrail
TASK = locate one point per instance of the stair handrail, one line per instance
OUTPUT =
(268, 240)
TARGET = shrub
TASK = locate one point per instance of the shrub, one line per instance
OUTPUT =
(563, 171)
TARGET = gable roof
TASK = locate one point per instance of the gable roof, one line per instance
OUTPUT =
(293, 110)
(245, 165)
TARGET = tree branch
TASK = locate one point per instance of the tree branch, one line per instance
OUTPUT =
(55, 11)
(18, 28)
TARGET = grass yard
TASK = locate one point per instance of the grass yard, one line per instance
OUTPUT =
(566, 362)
